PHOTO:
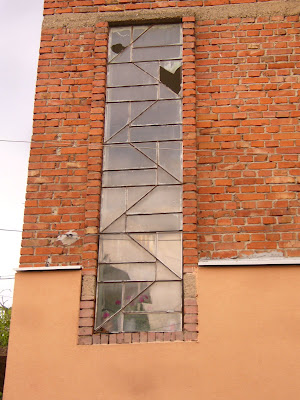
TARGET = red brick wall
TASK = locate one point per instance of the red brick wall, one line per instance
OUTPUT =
(241, 143)
(247, 76)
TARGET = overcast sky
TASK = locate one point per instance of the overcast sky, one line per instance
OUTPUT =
(20, 27)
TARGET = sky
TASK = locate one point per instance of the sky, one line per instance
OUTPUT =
(20, 30)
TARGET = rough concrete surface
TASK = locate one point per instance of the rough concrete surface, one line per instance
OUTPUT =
(88, 287)
(253, 10)
(189, 285)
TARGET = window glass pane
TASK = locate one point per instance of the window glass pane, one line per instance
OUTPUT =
(140, 245)
(160, 35)
(155, 322)
(127, 272)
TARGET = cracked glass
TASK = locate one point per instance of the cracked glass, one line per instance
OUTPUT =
(140, 248)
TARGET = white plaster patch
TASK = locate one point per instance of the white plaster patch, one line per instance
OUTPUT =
(68, 238)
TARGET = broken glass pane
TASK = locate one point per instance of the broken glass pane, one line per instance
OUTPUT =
(119, 38)
(140, 247)
(170, 75)
(124, 55)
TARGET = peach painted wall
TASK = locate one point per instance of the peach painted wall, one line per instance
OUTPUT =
(248, 349)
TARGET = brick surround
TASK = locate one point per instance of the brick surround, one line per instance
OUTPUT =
(241, 138)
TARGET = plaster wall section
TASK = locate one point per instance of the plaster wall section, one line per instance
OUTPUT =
(247, 343)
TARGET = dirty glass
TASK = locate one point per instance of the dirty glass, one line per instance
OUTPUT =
(140, 247)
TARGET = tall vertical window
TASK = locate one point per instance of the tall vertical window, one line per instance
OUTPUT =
(140, 250)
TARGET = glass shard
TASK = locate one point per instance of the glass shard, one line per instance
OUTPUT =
(171, 79)
(140, 245)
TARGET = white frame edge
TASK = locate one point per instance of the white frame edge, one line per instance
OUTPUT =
(55, 268)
